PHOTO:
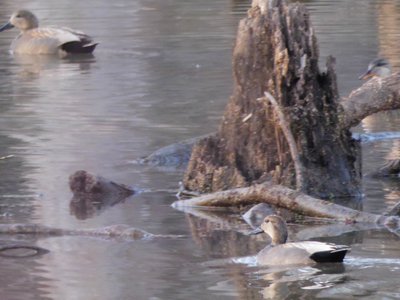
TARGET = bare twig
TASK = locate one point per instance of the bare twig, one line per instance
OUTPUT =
(290, 140)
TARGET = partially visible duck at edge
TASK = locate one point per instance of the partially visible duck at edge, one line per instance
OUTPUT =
(296, 253)
(46, 40)
(378, 67)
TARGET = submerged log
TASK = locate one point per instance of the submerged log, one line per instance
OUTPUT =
(276, 52)
(118, 231)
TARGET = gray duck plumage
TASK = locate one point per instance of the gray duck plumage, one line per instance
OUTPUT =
(46, 40)
(281, 253)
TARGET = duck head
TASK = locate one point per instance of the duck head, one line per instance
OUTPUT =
(275, 227)
(379, 67)
(21, 19)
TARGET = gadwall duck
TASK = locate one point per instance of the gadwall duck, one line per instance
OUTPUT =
(379, 67)
(282, 253)
(46, 40)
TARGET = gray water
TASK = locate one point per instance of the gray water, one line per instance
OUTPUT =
(161, 74)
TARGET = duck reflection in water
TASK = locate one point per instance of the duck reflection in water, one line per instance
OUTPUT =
(46, 40)
(281, 253)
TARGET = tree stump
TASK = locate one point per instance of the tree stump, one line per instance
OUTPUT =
(92, 194)
(276, 52)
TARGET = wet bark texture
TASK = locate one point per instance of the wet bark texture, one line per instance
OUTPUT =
(376, 95)
(276, 52)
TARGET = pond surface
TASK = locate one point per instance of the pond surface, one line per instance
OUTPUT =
(161, 74)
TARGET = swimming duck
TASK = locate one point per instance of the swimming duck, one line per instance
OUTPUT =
(379, 67)
(282, 253)
(46, 40)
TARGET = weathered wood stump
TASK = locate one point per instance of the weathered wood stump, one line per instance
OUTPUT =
(276, 52)
(92, 194)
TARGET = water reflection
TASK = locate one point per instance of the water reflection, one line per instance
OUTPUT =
(388, 36)
(33, 66)
(285, 284)
(24, 278)
(240, 6)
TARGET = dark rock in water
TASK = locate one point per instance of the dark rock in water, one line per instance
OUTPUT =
(94, 193)
(175, 155)
(256, 215)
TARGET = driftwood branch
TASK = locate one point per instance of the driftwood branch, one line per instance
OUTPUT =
(287, 198)
(376, 95)
(290, 140)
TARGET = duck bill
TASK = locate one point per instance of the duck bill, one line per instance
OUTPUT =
(256, 231)
(366, 75)
(6, 26)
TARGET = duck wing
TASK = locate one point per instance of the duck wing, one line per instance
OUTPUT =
(301, 253)
(322, 252)
(49, 40)
(42, 41)
(84, 44)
